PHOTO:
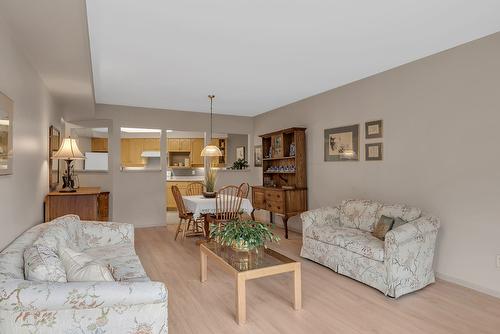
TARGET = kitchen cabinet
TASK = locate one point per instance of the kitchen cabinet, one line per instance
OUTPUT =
(182, 185)
(197, 145)
(132, 148)
(179, 144)
(185, 144)
(150, 144)
(173, 144)
(99, 144)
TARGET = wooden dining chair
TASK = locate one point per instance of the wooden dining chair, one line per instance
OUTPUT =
(186, 221)
(194, 188)
(227, 206)
(244, 190)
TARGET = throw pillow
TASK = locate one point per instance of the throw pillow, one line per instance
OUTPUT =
(397, 223)
(42, 264)
(382, 227)
(82, 268)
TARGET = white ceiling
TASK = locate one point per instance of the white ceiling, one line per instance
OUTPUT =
(262, 54)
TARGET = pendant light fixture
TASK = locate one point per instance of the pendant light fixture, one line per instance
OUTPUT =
(211, 150)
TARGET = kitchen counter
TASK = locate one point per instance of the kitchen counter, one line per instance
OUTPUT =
(185, 178)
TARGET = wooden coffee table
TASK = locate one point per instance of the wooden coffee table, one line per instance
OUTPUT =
(250, 265)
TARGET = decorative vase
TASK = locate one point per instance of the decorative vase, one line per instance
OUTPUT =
(209, 194)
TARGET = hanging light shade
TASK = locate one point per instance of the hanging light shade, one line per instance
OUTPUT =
(211, 150)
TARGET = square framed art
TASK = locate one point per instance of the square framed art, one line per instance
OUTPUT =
(373, 152)
(342, 143)
(373, 129)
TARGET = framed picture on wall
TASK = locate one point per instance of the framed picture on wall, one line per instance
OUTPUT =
(373, 152)
(258, 156)
(240, 153)
(373, 129)
(342, 144)
(6, 124)
(54, 143)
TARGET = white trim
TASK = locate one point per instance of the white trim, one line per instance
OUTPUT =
(473, 286)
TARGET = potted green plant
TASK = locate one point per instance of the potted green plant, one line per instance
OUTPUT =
(209, 183)
(243, 235)
(239, 164)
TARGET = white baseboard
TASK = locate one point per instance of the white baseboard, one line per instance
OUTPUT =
(467, 284)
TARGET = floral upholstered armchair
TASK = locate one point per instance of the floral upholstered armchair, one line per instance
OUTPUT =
(132, 304)
(340, 238)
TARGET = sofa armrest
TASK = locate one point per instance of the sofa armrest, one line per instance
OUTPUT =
(326, 215)
(99, 234)
(409, 255)
(412, 230)
(28, 296)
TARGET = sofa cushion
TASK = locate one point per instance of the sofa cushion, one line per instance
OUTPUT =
(127, 269)
(360, 214)
(122, 260)
(354, 240)
(42, 264)
(397, 223)
(82, 268)
(382, 227)
(405, 212)
(62, 232)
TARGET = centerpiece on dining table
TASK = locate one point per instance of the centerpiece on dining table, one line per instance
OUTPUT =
(243, 235)
(209, 183)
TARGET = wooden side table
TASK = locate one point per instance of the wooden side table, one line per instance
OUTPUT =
(87, 202)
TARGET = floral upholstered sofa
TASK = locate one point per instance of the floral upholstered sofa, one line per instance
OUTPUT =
(132, 304)
(340, 238)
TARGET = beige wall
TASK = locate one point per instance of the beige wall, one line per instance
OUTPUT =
(138, 197)
(22, 193)
(441, 139)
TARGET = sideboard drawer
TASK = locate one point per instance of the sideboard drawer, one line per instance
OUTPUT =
(275, 206)
(275, 195)
(259, 199)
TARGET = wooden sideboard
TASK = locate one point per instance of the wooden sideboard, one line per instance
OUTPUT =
(284, 202)
(87, 202)
(284, 189)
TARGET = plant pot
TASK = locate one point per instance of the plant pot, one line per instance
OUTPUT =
(240, 246)
(209, 194)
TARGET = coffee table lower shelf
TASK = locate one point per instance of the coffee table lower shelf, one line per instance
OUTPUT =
(273, 263)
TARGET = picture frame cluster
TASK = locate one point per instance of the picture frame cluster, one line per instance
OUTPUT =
(343, 143)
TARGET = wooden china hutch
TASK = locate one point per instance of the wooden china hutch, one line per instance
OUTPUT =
(284, 189)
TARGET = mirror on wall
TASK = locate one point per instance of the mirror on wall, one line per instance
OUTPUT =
(93, 143)
(6, 111)
(140, 149)
(234, 149)
(54, 165)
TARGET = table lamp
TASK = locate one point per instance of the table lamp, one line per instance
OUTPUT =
(68, 152)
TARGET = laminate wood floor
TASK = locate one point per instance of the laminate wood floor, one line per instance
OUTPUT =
(332, 303)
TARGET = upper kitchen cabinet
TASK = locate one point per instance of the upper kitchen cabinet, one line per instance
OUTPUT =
(197, 145)
(140, 149)
(179, 144)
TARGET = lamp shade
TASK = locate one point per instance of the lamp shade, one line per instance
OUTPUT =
(211, 151)
(68, 151)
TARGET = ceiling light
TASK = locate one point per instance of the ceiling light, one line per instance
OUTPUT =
(211, 150)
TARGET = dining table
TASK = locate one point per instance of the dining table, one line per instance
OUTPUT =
(201, 206)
